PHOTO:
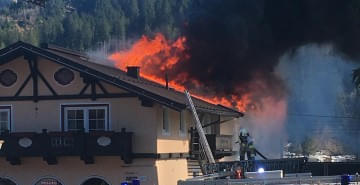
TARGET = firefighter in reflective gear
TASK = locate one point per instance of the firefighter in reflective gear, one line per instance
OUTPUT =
(243, 141)
(251, 152)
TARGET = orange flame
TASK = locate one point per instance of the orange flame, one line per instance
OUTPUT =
(158, 55)
(148, 53)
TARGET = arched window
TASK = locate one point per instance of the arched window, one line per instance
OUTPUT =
(5, 181)
(95, 181)
(48, 181)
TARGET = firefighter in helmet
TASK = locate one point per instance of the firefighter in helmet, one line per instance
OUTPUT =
(246, 145)
(251, 152)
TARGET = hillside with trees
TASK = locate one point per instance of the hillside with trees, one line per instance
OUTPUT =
(91, 22)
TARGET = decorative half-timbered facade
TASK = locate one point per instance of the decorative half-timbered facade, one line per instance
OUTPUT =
(65, 119)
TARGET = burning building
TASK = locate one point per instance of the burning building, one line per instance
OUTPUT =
(67, 120)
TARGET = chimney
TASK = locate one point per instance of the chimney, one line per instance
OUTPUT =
(133, 71)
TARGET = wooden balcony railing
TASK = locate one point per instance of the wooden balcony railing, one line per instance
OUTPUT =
(50, 145)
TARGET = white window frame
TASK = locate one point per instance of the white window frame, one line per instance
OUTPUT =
(8, 110)
(86, 116)
(165, 127)
(182, 124)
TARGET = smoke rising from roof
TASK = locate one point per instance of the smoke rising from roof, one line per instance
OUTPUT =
(235, 47)
(234, 42)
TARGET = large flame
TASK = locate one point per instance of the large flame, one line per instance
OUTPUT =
(157, 56)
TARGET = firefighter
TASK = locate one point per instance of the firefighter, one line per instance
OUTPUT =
(251, 152)
(243, 141)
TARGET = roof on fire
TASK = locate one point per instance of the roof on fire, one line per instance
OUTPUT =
(139, 86)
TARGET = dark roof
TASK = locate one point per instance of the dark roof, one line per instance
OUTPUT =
(141, 87)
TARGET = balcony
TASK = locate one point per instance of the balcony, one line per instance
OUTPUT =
(220, 146)
(50, 145)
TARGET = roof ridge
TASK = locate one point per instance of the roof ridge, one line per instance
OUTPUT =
(141, 80)
(11, 46)
(63, 50)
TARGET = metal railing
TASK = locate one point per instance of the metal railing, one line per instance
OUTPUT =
(289, 180)
(295, 165)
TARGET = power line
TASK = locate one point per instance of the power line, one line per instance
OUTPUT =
(323, 116)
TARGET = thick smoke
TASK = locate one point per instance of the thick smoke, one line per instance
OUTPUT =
(266, 127)
(274, 52)
(323, 104)
(234, 42)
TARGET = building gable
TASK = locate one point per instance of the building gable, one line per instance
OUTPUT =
(32, 53)
(40, 79)
(148, 92)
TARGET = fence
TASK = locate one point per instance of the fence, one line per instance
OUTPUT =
(295, 165)
(289, 180)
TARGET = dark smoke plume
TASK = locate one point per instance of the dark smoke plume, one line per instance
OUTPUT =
(231, 42)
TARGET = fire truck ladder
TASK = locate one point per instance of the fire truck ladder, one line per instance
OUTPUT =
(204, 145)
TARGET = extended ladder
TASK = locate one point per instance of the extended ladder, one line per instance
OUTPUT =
(199, 128)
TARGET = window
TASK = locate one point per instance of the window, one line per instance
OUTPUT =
(5, 118)
(75, 119)
(97, 119)
(95, 180)
(182, 127)
(64, 76)
(48, 181)
(86, 117)
(166, 124)
(8, 78)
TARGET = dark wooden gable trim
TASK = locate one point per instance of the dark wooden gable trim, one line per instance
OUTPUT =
(11, 52)
(23, 85)
(21, 48)
(35, 75)
(33, 67)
